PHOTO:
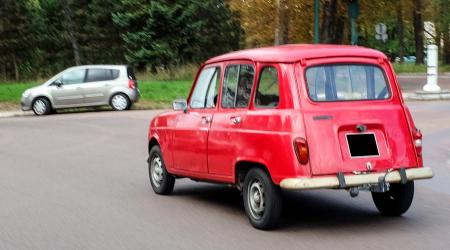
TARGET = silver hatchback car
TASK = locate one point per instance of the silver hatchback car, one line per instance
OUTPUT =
(82, 86)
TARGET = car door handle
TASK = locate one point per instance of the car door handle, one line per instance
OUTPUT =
(206, 119)
(235, 119)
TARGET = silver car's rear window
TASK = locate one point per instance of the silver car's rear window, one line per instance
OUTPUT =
(346, 82)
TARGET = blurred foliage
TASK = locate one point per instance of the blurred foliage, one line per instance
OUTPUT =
(37, 37)
(159, 37)
(168, 33)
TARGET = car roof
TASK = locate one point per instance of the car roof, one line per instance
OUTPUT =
(295, 52)
(109, 66)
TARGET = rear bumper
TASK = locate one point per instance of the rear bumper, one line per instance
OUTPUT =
(134, 95)
(352, 180)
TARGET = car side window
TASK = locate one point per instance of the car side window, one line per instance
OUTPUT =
(268, 91)
(237, 86)
(205, 91)
(97, 75)
(213, 90)
(73, 77)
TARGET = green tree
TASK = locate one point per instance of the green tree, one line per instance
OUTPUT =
(441, 11)
(55, 49)
(103, 42)
(165, 33)
(17, 37)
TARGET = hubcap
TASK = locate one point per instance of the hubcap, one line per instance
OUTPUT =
(157, 171)
(39, 107)
(255, 199)
(119, 102)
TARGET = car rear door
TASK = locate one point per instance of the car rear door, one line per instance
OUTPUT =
(97, 85)
(190, 136)
(354, 117)
(226, 137)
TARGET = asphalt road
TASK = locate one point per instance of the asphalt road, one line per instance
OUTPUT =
(80, 181)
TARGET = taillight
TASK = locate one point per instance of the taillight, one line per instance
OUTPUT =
(301, 150)
(131, 84)
(417, 136)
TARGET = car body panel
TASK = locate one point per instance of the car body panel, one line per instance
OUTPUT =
(96, 92)
(190, 140)
(66, 95)
(384, 118)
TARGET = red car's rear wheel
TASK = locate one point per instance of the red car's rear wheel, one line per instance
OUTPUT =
(262, 199)
(396, 201)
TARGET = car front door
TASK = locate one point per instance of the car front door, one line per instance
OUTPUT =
(190, 139)
(67, 90)
(226, 138)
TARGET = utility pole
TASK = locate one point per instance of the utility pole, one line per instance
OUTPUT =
(282, 23)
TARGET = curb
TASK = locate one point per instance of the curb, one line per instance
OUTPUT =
(17, 113)
(443, 95)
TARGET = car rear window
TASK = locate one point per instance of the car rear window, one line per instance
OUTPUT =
(346, 82)
(130, 73)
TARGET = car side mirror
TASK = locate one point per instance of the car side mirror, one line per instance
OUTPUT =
(58, 83)
(180, 104)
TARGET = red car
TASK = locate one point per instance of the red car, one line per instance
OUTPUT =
(292, 117)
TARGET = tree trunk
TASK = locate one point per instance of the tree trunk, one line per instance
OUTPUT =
(16, 68)
(446, 46)
(71, 32)
(445, 8)
(282, 23)
(328, 29)
(418, 31)
(400, 34)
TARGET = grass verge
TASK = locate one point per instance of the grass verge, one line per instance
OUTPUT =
(154, 94)
(413, 68)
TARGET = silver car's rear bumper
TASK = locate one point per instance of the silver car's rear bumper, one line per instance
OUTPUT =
(353, 180)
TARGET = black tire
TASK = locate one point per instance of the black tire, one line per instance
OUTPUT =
(396, 201)
(41, 106)
(120, 102)
(162, 181)
(264, 216)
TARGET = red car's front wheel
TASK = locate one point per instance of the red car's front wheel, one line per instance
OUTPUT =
(162, 181)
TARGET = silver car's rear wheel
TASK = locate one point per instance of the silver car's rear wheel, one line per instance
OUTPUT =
(41, 106)
(120, 102)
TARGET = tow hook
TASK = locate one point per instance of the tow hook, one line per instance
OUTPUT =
(381, 187)
(354, 191)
